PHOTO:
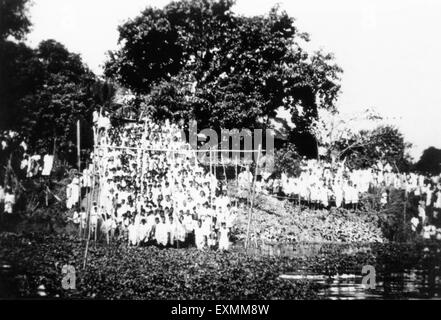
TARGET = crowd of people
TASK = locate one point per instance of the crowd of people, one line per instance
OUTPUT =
(31, 164)
(26, 165)
(323, 185)
(151, 190)
(7, 200)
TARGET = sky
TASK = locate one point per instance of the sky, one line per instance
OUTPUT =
(387, 49)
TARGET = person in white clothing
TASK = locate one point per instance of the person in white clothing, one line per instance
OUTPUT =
(224, 241)
(143, 232)
(245, 179)
(133, 233)
(9, 201)
(177, 232)
(199, 233)
(48, 161)
(95, 117)
(414, 223)
(161, 232)
(422, 212)
(2, 197)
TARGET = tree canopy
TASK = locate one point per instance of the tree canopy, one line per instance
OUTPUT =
(197, 59)
(193, 59)
(385, 143)
(43, 91)
(430, 161)
(64, 96)
(14, 20)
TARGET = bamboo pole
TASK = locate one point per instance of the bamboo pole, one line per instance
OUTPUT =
(88, 210)
(142, 159)
(7, 171)
(405, 207)
(107, 231)
(237, 178)
(214, 176)
(54, 151)
(250, 212)
(195, 159)
(96, 199)
(96, 230)
(88, 230)
(80, 229)
(211, 180)
(225, 171)
(138, 175)
(176, 151)
(78, 146)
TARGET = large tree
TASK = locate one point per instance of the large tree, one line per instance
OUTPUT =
(20, 70)
(43, 92)
(21, 73)
(65, 95)
(430, 161)
(367, 147)
(14, 20)
(197, 59)
(362, 139)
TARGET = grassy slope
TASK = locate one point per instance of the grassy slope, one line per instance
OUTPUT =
(279, 221)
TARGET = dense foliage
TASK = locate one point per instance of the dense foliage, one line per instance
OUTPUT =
(21, 74)
(44, 91)
(384, 143)
(430, 161)
(196, 59)
(14, 21)
(277, 222)
(360, 139)
(118, 272)
(65, 96)
(287, 160)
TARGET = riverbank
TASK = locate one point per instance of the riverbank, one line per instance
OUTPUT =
(280, 221)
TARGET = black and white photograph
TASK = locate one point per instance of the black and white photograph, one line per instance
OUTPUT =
(236, 152)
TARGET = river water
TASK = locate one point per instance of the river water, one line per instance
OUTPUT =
(410, 284)
(421, 281)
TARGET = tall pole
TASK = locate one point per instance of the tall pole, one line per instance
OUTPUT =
(405, 207)
(54, 148)
(195, 159)
(237, 178)
(89, 205)
(250, 212)
(7, 168)
(225, 171)
(88, 219)
(211, 180)
(215, 163)
(78, 146)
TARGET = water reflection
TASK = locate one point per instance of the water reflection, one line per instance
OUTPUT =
(419, 280)
(422, 281)
(410, 284)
